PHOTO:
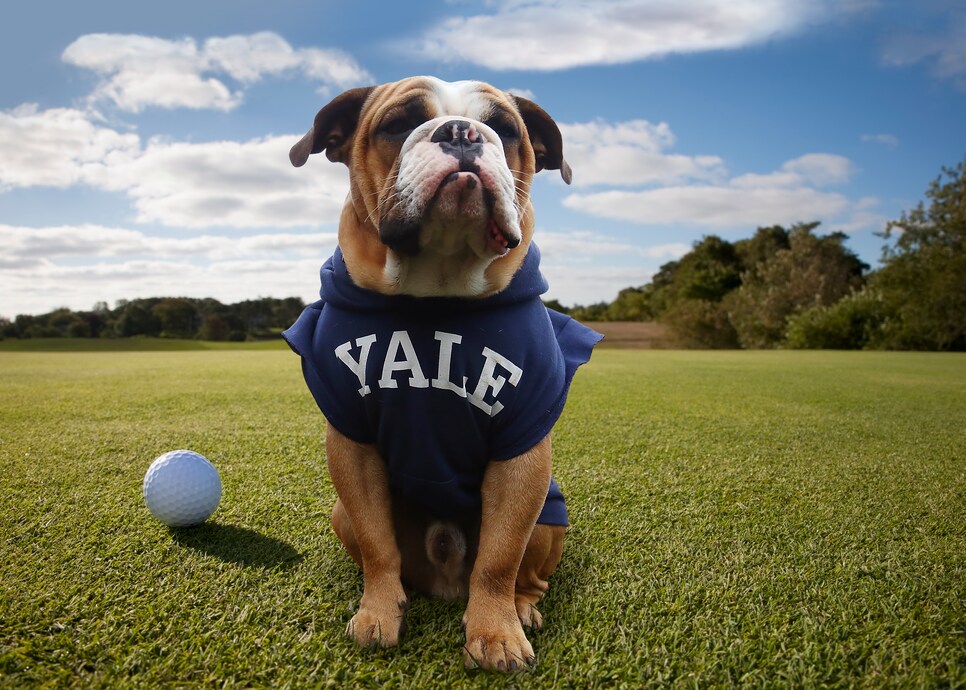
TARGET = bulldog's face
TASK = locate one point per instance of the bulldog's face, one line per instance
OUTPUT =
(440, 175)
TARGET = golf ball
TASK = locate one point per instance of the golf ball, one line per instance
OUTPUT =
(182, 488)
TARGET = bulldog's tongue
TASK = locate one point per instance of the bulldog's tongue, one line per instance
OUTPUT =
(495, 239)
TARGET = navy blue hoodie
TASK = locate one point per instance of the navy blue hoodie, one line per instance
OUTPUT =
(442, 386)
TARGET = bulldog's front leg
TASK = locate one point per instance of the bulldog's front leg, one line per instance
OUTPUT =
(513, 494)
(359, 476)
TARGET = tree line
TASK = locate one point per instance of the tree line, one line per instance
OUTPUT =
(794, 288)
(165, 317)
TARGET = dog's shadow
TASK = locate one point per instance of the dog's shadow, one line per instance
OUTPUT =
(239, 545)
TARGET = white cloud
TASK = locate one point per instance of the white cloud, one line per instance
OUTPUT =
(887, 139)
(864, 215)
(25, 246)
(818, 169)
(192, 185)
(228, 184)
(717, 207)
(581, 246)
(139, 71)
(47, 286)
(76, 266)
(587, 285)
(248, 58)
(586, 267)
(57, 147)
(143, 71)
(560, 34)
(796, 192)
(630, 153)
(523, 93)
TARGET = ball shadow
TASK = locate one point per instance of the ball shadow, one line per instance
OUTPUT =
(237, 545)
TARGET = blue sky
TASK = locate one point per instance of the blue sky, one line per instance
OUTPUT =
(143, 146)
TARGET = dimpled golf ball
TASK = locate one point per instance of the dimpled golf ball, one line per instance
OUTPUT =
(182, 488)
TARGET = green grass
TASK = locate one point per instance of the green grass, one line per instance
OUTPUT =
(754, 519)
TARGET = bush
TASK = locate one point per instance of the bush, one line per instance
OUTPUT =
(214, 328)
(632, 304)
(593, 312)
(853, 323)
(79, 328)
(701, 324)
(813, 272)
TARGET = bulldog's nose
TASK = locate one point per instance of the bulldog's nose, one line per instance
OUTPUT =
(460, 139)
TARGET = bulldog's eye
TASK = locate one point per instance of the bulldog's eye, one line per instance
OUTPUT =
(504, 127)
(399, 127)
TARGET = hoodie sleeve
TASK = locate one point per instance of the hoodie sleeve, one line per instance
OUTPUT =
(556, 349)
(576, 342)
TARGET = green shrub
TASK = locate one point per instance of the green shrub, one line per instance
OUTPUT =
(853, 323)
(702, 324)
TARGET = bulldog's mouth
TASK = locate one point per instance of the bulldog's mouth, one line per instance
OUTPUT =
(462, 197)
(452, 206)
(497, 240)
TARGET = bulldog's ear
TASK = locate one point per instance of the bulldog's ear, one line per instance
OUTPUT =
(544, 138)
(333, 128)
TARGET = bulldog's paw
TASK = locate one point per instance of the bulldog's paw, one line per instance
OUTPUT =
(528, 614)
(499, 647)
(377, 627)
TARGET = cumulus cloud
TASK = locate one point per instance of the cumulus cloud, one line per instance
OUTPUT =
(560, 34)
(718, 207)
(143, 71)
(56, 147)
(240, 184)
(229, 184)
(695, 191)
(692, 190)
(817, 169)
(631, 153)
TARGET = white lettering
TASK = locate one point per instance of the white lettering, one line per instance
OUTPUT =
(400, 339)
(490, 381)
(357, 367)
(442, 380)
(401, 357)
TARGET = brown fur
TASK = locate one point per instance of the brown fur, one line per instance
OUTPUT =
(498, 560)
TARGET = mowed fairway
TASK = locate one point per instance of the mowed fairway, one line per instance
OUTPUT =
(743, 518)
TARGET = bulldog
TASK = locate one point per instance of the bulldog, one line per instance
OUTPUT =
(438, 369)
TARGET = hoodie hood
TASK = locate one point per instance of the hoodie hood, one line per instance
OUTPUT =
(339, 290)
